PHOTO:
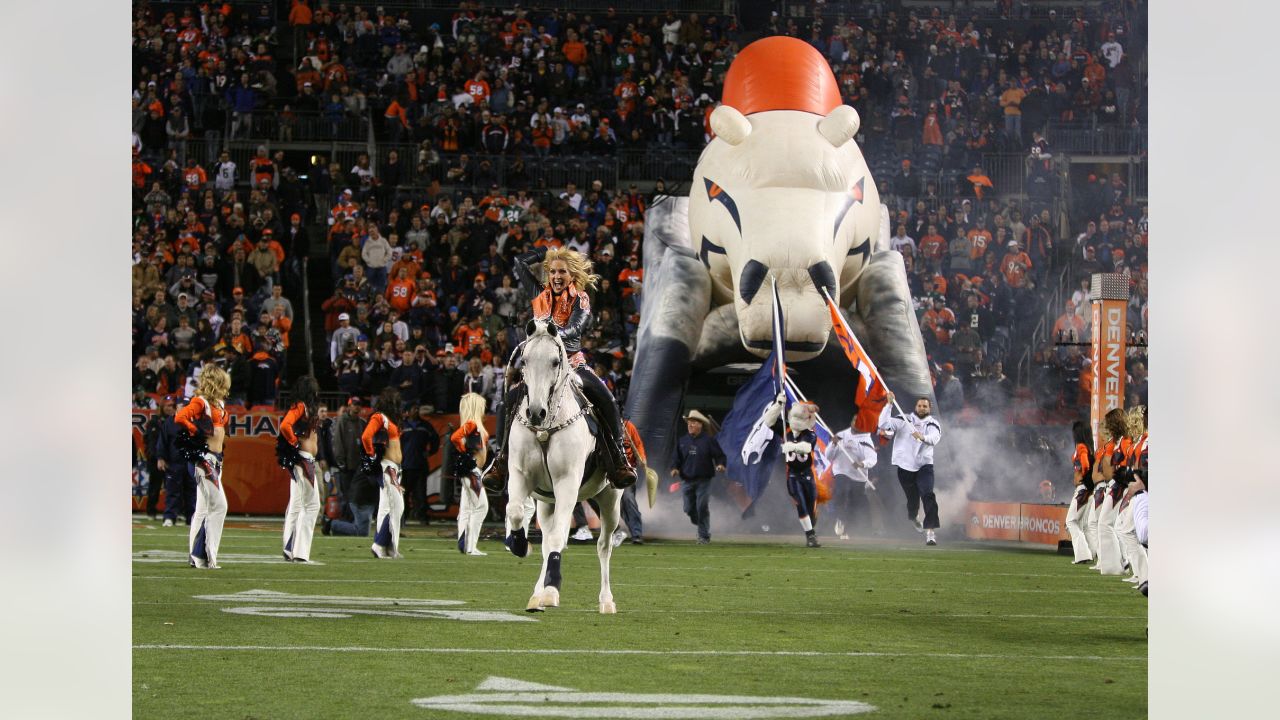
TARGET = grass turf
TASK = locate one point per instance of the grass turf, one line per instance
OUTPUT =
(960, 630)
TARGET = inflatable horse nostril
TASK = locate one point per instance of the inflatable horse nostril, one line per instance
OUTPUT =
(752, 277)
(823, 277)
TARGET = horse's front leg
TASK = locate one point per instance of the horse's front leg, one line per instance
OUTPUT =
(610, 501)
(536, 601)
(519, 487)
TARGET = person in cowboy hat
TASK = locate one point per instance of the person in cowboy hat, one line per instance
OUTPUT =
(698, 459)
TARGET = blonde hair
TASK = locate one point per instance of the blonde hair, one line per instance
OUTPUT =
(579, 267)
(1136, 421)
(214, 383)
(471, 407)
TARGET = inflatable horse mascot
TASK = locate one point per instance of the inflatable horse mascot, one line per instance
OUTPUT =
(780, 194)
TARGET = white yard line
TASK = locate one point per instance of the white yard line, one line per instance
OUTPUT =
(815, 613)
(596, 651)
(1118, 590)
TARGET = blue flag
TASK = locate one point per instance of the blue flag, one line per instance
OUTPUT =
(753, 471)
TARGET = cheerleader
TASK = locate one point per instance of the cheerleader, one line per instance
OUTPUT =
(205, 421)
(1131, 471)
(382, 457)
(296, 449)
(471, 440)
(1081, 501)
(1110, 554)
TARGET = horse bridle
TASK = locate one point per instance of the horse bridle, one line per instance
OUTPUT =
(544, 433)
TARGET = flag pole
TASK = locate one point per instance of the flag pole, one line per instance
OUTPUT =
(865, 354)
(796, 389)
(780, 362)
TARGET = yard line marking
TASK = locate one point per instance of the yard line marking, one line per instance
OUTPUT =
(1126, 590)
(543, 701)
(597, 651)
(164, 556)
(815, 613)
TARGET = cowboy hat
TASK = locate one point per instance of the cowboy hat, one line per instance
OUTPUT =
(695, 415)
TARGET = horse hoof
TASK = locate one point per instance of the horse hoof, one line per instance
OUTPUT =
(535, 605)
(550, 597)
(608, 608)
(518, 543)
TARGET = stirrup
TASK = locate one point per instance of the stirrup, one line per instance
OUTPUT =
(622, 477)
(494, 479)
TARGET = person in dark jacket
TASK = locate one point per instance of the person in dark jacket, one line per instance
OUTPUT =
(157, 464)
(698, 459)
(179, 483)
(419, 440)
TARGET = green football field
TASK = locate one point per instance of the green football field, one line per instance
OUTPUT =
(727, 630)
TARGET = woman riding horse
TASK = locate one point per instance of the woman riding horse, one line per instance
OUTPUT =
(563, 301)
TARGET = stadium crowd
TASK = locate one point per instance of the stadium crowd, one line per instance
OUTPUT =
(423, 296)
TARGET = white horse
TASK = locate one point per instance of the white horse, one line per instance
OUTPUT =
(550, 444)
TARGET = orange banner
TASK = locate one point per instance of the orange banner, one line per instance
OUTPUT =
(1108, 356)
(254, 483)
(1021, 522)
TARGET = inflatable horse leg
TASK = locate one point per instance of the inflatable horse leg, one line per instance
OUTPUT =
(671, 327)
(886, 323)
(610, 502)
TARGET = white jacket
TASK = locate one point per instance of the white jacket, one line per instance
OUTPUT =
(376, 252)
(848, 448)
(908, 453)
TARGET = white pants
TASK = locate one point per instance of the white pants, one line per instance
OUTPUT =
(1110, 559)
(1140, 517)
(1128, 537)
(1077, 516)
(304, 507)
(472, 510)
(1091, 527)
(386, 534)
(211, 512)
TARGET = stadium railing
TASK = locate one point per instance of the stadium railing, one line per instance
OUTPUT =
(1092, 138)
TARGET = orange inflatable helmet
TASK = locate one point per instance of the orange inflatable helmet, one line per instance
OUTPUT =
(780, 73)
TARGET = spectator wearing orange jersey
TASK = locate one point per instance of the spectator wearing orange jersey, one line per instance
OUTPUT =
(141, 171)
(263, 169)
(980, 237)
(1011, 100)
(631, 279)
(397, 120)
(1015, 265)
(1069, 327)
(933, 248)
(574, 50)
(401, 290)
(300, 14)
(941, 320)
(478, 88)
(334, 73)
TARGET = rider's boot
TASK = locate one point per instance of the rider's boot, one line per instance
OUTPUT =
(619, 470)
